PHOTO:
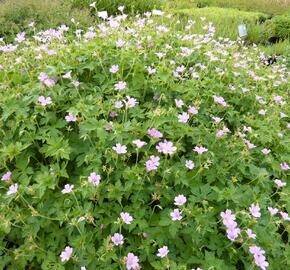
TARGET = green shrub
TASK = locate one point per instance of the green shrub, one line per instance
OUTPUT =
(272, 7)
(281, 48)
(181, 4)
(281, 26)
(226, 21)
(111, 6)
(225, 143)
(15, 15)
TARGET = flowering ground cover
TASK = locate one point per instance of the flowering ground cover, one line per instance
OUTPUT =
(139, 144)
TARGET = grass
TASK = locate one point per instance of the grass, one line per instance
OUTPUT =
(280, 48)
(271, 7)
(226, 21)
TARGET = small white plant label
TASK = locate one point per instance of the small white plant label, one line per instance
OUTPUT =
(242, 30)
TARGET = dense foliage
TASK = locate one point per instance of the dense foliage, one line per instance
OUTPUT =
(139, 143)
(272, 7)
(136, 6)
(226, 22)
(33, 15)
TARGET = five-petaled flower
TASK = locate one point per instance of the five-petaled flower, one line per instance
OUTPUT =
(120, 149)
(67, 189)
(126, 217)
(66, 253)
(162, 252)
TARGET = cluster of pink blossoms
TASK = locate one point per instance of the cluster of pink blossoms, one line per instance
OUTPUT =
(154, 133)
(176, 214)
(43, 77)
(152, 164)
(6, 176)
(132, 262)
(44, 101)
(220, 101)
(222, 132)
(260, 259)
(229, 221)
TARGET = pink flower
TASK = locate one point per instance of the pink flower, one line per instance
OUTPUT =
(284, 215)
(266, 151)
(189, 164)
(228, 218)
(12, 189)
(217, 119)
(250, 234)
(176, 215)
(179, 103)
(192, 110)
(260, 259)
(132, 262)
(273, 211)
(162, 252)
(120, 86)
(126, 217)
(249, 144)
(43, 77)
(151, 70)
(20, 37)
(166, 148)
(44, 100)
(94, 179)
(152, 163)
(67, 75)
(284, 166)
(120, 149)
(120, 43)
(118, 104)
(67, 189)
(103, 15)
(221, 132)
(117, 239)
(180, 200)
(66, 254)
(183, 118)
(262, 112)
(220, 101)
(6, 176)
(76, 83)
(114, 69)
(153, 132)
(139, 143)
(279, 183)
(70, 118)
(130, 102)
(233, 233)
(200, 149)
(255, 210)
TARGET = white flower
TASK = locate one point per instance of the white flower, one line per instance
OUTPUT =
(67, 189)
(139, 143)
(66, 254)
(162, 252)
(114, 69)
(103, 15)
(120, 86)
(180, 200)
(94, 179)
(120, 149)
(12, 189)
(93, 5)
